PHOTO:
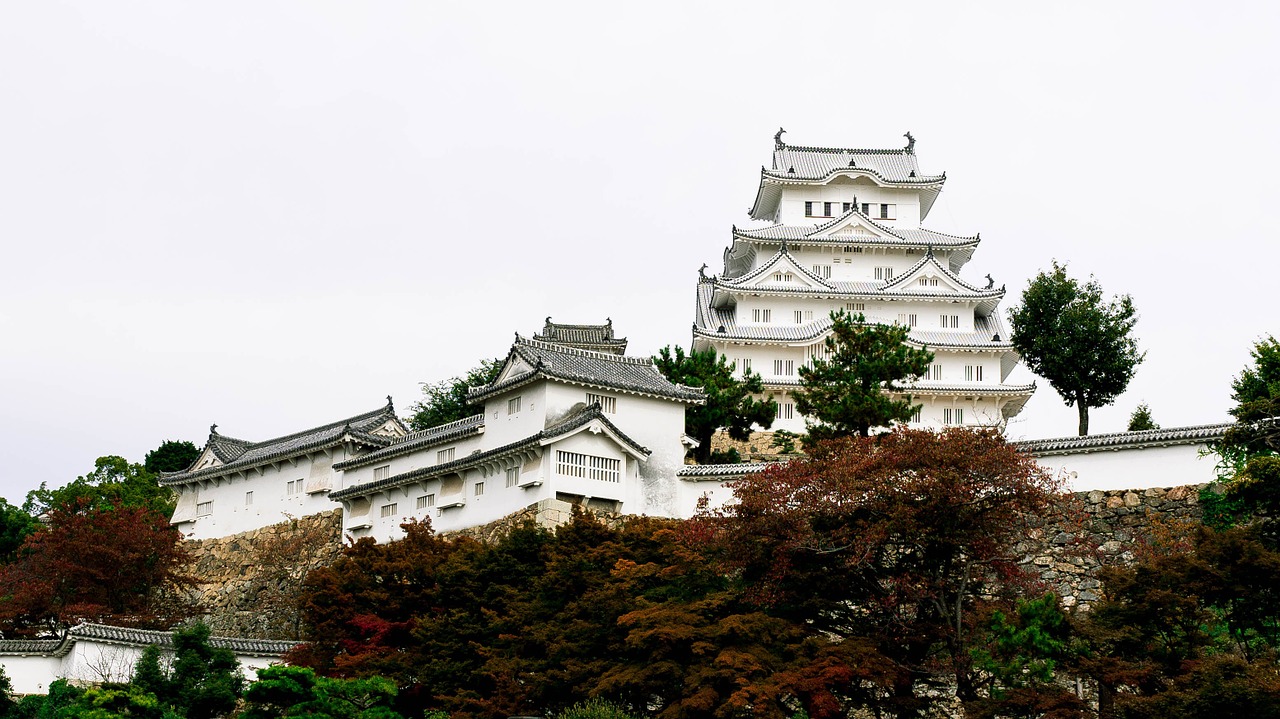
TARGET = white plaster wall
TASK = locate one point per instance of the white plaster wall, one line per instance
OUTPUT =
(791, 204)
(503, 428)
(90, 662)
(1132, 468)
(425, 457)
(717, 493)
(271, 501)
(31, 674)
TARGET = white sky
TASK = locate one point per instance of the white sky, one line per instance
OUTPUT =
(272, 215)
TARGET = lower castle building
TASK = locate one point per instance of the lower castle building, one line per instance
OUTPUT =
(568, 417)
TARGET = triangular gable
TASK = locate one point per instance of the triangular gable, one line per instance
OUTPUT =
(600, 426)
(782, 272)
(930, 269)
(852, 224)
(390, 428)
(514, 367)
(206, 460)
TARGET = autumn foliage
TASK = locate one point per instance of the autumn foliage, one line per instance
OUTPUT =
(859, 577)
(118, 564)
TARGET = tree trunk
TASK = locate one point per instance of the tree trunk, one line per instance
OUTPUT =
(1083, 410)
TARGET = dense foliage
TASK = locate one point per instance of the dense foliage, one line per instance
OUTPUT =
(845, 597)
(171, 456)
(114, 481)
(1083, 344)
(730, 403)
(446, 401)
(115, 564)
(846, 391)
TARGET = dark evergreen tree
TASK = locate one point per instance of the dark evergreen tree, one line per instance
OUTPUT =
(1141, 420)
(446, 401)
(731, 404)
(171, 456)
(846, 392)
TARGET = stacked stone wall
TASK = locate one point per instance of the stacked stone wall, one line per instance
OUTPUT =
(248, 582)
(1103, 528)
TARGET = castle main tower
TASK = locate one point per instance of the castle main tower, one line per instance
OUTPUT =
(841, 230)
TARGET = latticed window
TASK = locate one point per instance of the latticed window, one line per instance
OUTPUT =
(426, 501)
(389, 510)
(381, 472)
(204, 508)
(444, 455)
(513, 476)
(588, 466)
(608, 405)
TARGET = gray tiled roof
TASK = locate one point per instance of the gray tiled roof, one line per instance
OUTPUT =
(585, 337)
(421, 439)
(239, 454)
(139, 638)
(28, 647)
(1121, 440)
(145, 637)
(918, 237)
(815, 164)
(722, 471)
(811, 163)
(567, 424)
(596, 369)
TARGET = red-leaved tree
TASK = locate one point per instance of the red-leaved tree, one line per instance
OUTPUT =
(118, 564)
(898, 542)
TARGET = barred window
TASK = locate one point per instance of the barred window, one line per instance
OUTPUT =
(426, 501)
(444, 455)
(608, 405)
(204, 508)
(381, 472)
(389, 510)
(513, 476)
(574, 464)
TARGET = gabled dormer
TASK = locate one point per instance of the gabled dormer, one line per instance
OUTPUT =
(782, 273)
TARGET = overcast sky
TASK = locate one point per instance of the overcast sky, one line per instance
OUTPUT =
(272, 215)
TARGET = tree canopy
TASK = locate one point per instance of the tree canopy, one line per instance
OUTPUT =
(847, 390)
(897, 544)
(118, 564)
(171, 456)
(1081, 343)
(446, 401)
(730, 405)
(113, 481)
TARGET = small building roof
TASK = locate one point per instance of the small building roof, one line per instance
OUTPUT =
(422, 439)
(721, 472)
(531, 359)
(598, 338)
(235, 455)
(571, 422)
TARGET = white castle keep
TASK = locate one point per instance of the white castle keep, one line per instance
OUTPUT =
(844, 233)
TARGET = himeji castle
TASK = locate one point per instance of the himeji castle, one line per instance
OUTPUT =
(843, 232)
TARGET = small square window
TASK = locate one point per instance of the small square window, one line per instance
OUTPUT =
(426, 501)
(389, 510)
(479, 488)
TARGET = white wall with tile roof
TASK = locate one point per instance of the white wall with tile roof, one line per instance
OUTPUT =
(272, 502)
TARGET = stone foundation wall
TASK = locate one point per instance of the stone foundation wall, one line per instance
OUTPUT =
(758, 447)
(248, 582)
(1098, 529)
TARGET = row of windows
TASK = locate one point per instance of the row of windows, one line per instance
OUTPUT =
(879, 210)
